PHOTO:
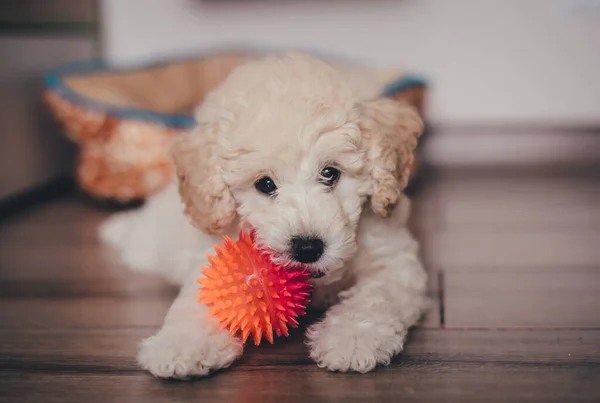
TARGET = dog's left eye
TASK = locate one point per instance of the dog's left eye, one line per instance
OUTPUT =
(330, 175)
(266, 185)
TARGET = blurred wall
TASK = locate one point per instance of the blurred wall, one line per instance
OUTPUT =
(32, 148)
(35, 37)
(490, 61)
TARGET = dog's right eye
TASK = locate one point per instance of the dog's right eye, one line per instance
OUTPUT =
(265, 185)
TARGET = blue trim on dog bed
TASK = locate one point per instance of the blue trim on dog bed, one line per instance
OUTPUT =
(54, 82)
(404, 83)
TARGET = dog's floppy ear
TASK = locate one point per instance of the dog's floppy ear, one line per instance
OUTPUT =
(391, 129)
(208, 201)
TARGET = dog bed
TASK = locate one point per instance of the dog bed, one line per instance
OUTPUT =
(123, 120)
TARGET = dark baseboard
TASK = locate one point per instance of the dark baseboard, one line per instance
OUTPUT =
(109, 205)
(481, 147)
(33, 197)
(53, 190)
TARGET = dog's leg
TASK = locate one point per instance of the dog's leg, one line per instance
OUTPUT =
(190, 343)
(158, 238)
(369, 325)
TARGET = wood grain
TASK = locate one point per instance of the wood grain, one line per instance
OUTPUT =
(90, 349)
(454, 382)
(521, 298)
(543, 297)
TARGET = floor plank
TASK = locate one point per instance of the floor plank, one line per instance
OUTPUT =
(93, 349)
(89, 312)
(411, 382)
(521, 290)
(542, 297)
(542, 202)
(498, 250)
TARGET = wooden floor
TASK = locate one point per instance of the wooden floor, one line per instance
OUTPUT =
(515, 259)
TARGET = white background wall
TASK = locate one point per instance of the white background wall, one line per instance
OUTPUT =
(489, 61)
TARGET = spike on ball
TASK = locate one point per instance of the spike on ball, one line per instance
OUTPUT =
(249, 294)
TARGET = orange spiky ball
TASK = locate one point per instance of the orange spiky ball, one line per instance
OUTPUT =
(249, 294)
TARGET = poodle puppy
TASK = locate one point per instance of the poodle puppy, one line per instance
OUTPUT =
(310, 156)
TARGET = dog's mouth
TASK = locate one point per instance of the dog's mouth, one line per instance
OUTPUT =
(287, 261)
(317, 274)
(314, 273)
(291, 264)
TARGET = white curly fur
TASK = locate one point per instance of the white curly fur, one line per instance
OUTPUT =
(287, 117)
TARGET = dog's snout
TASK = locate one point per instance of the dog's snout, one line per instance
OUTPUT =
(307, 250)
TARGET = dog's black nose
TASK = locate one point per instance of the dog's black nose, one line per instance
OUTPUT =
(307, 250)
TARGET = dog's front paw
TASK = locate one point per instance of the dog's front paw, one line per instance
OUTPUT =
(181, 354)
(347, 345)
